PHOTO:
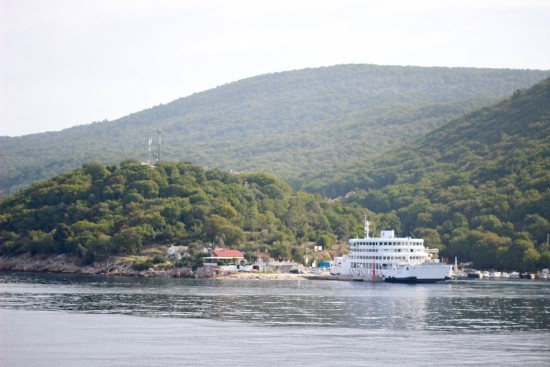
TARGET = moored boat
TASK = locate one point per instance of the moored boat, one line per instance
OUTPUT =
(393, 259)
(474, 274)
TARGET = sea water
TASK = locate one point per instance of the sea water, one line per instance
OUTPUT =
(73, 320)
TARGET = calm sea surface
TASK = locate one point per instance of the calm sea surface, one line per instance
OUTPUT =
(73, 320)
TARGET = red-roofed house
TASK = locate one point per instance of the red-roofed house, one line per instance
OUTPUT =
(228, 254)
(226, 259)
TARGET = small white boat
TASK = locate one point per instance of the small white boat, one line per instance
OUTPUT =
(474, 274)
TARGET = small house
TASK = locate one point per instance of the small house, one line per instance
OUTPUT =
(177, 252)
(232, 260)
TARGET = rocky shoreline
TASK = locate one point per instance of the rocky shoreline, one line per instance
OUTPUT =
(70, 264)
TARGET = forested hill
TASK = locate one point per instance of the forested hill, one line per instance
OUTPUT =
(482, 181)
(290, 124)
(99, 211)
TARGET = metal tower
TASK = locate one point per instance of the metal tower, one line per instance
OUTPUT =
(159, 131)
(150, 143)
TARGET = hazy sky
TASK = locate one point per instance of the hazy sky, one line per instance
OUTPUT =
(72, 62)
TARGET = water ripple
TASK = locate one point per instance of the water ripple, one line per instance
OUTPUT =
(460, 306)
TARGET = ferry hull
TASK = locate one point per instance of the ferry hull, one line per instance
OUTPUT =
(412, 280)
(426, 273)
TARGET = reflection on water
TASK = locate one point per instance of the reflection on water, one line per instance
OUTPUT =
(465, 306)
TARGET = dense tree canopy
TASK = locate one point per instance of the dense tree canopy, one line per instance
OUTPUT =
(98, 211)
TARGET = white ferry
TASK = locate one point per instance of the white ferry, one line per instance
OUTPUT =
(391, 259)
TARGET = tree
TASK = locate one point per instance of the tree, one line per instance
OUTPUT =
(280, 251)
(232, 236)
(544, 260)
(60, 236)
(224, 209)
(146, 188)
(130, 239)
(297, 253)
(431, 238)
(503, 259)
(518, 250)
(41, 242)
(325, 241)
(212, 227)
(530, 260)
(537, 226)
(96, 170)
(390, 221)
(250, 256)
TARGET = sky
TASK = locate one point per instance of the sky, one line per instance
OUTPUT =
(73, 62)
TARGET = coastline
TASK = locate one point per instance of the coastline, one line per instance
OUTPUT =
(113, 267)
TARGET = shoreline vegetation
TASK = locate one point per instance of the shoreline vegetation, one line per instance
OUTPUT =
(118, 267)
(477, 189)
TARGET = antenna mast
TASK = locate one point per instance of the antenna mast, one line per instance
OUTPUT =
(150, 143)
(367, 227)
(159, 131)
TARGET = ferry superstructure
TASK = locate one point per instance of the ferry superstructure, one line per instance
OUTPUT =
(391, 259)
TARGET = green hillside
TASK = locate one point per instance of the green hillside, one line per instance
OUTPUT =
(96, 212)
(291, 124)
(482, 182)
